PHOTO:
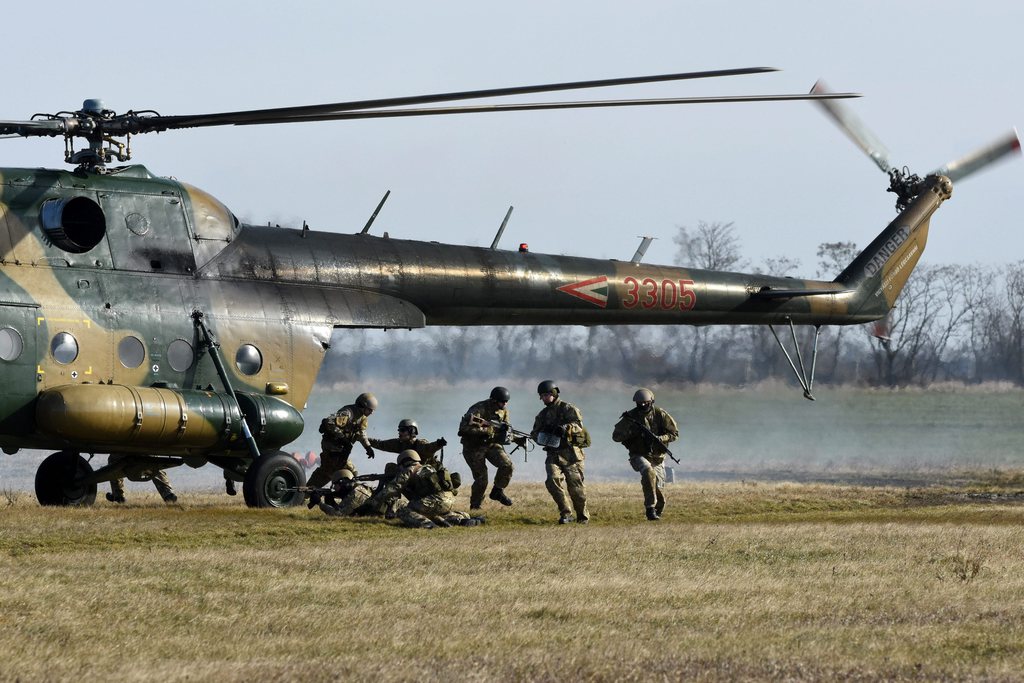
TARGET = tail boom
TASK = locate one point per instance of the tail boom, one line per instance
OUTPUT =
(879, 273)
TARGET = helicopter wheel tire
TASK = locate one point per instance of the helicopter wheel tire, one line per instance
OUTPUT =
(58, 480)
(268, 479)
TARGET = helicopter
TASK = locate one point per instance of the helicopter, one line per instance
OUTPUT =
(139, 317)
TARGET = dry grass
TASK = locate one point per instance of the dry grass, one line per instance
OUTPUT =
(739, 581)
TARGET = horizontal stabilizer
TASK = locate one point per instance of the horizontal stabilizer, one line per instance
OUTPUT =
(795, 293)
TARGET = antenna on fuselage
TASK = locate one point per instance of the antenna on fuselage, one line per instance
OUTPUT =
(645, 242)
(373, 216)
(497, 237)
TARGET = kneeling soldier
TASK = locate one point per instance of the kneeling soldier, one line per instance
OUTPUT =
(644, 431)
(431, 494)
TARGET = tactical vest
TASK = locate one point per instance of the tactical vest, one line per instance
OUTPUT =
(428, 481)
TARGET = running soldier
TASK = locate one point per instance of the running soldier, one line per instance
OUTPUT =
(430, 492)
(340, 431)
(408, 430)
(159, 479)
(645, 431)
(482, 442)
(558, 427)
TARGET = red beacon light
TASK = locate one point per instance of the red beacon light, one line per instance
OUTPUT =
(523, 247)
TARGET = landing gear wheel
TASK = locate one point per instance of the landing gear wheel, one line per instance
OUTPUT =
(268, 479)
(59, 480)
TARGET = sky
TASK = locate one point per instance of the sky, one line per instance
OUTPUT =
(939, 79)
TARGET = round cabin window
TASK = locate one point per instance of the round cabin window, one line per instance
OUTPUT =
(248, 360)
(64, 348)
(131, 352)
(180, 355)
(11, 344)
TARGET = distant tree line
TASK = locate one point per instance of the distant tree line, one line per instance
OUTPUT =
(960, 323)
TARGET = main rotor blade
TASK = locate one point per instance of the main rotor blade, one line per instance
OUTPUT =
(539, 106)
(854, 129)
(980, 158)
(280, 114)
(271, 115)
(32, 128)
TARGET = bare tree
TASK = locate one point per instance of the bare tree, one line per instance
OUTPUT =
(921, 325)
(709, 246)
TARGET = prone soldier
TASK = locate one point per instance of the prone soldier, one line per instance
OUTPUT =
(559, 429)
(340, 431)
(346, 495)
(645, 431)
(483, 443)
(408, 430)
(430, 491)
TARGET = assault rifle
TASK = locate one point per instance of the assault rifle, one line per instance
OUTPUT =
(652, 439)
(507, 434)
(336, 490)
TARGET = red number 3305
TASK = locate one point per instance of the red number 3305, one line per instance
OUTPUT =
(666, 295)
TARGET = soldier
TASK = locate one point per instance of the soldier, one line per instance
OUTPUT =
(483, 443)
(160, 481)
(430, 491)
(559, 428)
(408, 430)
(346, 495)
(341, 430)
(644, 431)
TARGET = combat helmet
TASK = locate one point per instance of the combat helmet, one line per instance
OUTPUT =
(500, 394)
(643, 396)
(367, 401)
(344, 473)
(410, 424)
(408, 457)
(548, 386)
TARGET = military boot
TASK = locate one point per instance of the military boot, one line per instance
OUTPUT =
(566, 518)
(499, 495)
(229, 487)
(170, 498)
(115, 498)
(660, 507)
(652, 514)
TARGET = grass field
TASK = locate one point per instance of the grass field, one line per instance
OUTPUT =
(739, 581)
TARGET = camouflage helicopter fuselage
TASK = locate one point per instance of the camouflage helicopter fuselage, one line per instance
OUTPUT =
(100, 274)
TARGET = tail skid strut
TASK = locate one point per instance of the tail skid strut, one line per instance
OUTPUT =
(806, 379)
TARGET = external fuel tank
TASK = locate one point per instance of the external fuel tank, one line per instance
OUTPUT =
(123, 418)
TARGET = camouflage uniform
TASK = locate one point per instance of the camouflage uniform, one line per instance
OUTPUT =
(341, 430)
(431, 497)
(481, 444)
(427, 449)
(350, 495)
(564, 465)
(642, 457)
(159, 479)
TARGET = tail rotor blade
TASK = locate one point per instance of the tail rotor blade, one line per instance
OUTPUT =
(980, 158)
(854, 129)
